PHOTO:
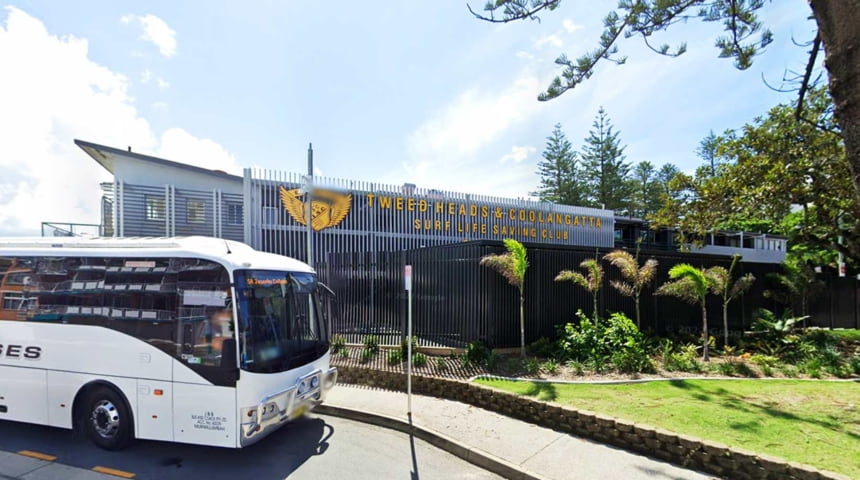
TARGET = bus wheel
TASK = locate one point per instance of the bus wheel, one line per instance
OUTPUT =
(106, 418)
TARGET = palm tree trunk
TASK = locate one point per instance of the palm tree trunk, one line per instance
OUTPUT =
(725, 323)
(705, 335)
(594, 311)
(638, 322)
(522, 327)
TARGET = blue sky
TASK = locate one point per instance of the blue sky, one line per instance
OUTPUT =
(386, 91)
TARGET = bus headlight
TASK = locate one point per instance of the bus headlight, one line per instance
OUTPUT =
(270, 410)
(315, 382)
(303, 387)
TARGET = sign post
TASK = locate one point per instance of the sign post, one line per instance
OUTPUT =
(309, 185)
(407, 275)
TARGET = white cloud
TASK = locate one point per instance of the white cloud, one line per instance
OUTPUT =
(474, 119)
(555, 39)
(180, 146)
(146, 76)
(569, 26)
(160, 107)
(552, 40)
(58, 94)
(524, 55)
(155, 31)
(446, 151)
(518, 154)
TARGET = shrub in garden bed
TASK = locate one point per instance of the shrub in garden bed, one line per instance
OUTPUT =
(338, 343)
(543, 348)
(476, 354)
(550, 366)
(683, 359)
(404, 347)
(531, 366)
(395, 357)
(813, 351)
(366, 355)
(419, 360)
(616, 343)
(371, 344)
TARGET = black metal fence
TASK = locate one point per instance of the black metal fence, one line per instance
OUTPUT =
(838, 304)
(456, 301)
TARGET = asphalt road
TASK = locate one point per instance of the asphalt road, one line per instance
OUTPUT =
(313, 447)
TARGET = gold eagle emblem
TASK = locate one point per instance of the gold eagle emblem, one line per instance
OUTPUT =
(327, 208)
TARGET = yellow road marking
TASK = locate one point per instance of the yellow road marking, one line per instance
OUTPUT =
(40, 456)
(114, 472)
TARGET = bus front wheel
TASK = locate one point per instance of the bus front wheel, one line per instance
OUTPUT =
(106, 418)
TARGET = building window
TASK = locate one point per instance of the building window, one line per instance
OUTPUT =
(195, 211)
(270, 215)
(19, 278)
(154, 207)
(234, 214)
(13, 301)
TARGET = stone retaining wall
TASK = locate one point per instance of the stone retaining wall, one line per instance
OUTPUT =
(682, 450)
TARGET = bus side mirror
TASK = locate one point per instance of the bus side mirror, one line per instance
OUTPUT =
(331, 306)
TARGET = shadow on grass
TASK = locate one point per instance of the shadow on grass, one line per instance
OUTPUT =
(542, 390)
(682, 384)
(733, 401)
(752, 426)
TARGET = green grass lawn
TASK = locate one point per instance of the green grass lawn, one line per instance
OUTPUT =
(849, 335)
(816, 423)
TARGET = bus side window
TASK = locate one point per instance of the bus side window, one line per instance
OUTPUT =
(202, 333)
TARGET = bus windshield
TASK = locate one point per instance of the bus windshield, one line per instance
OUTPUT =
(281, 323)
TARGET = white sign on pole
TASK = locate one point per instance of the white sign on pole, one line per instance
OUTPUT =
(407, 275)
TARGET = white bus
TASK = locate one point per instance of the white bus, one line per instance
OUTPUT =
(195, 340)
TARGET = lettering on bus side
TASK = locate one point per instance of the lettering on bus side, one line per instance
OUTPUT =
(209, 421)
(30, 352)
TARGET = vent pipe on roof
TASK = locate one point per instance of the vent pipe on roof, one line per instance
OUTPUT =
(129, 148)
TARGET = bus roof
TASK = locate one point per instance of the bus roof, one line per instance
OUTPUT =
(230, 253)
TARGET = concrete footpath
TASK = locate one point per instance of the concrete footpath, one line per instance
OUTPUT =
(539, 451)
(23, 466)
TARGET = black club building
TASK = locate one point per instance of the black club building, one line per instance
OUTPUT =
(364, 232)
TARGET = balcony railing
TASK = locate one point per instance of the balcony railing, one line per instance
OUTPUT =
(58, 229)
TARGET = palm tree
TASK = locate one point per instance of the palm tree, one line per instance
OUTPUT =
(512, 265)
(637, 277)
(591, 282)
(796, 285)
(691, 285)
(723, 286)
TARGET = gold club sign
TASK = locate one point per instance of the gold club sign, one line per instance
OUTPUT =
(327, 208)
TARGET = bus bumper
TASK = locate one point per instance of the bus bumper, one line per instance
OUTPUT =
(275, 410)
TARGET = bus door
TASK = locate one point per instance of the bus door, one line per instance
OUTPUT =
(204, 410)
